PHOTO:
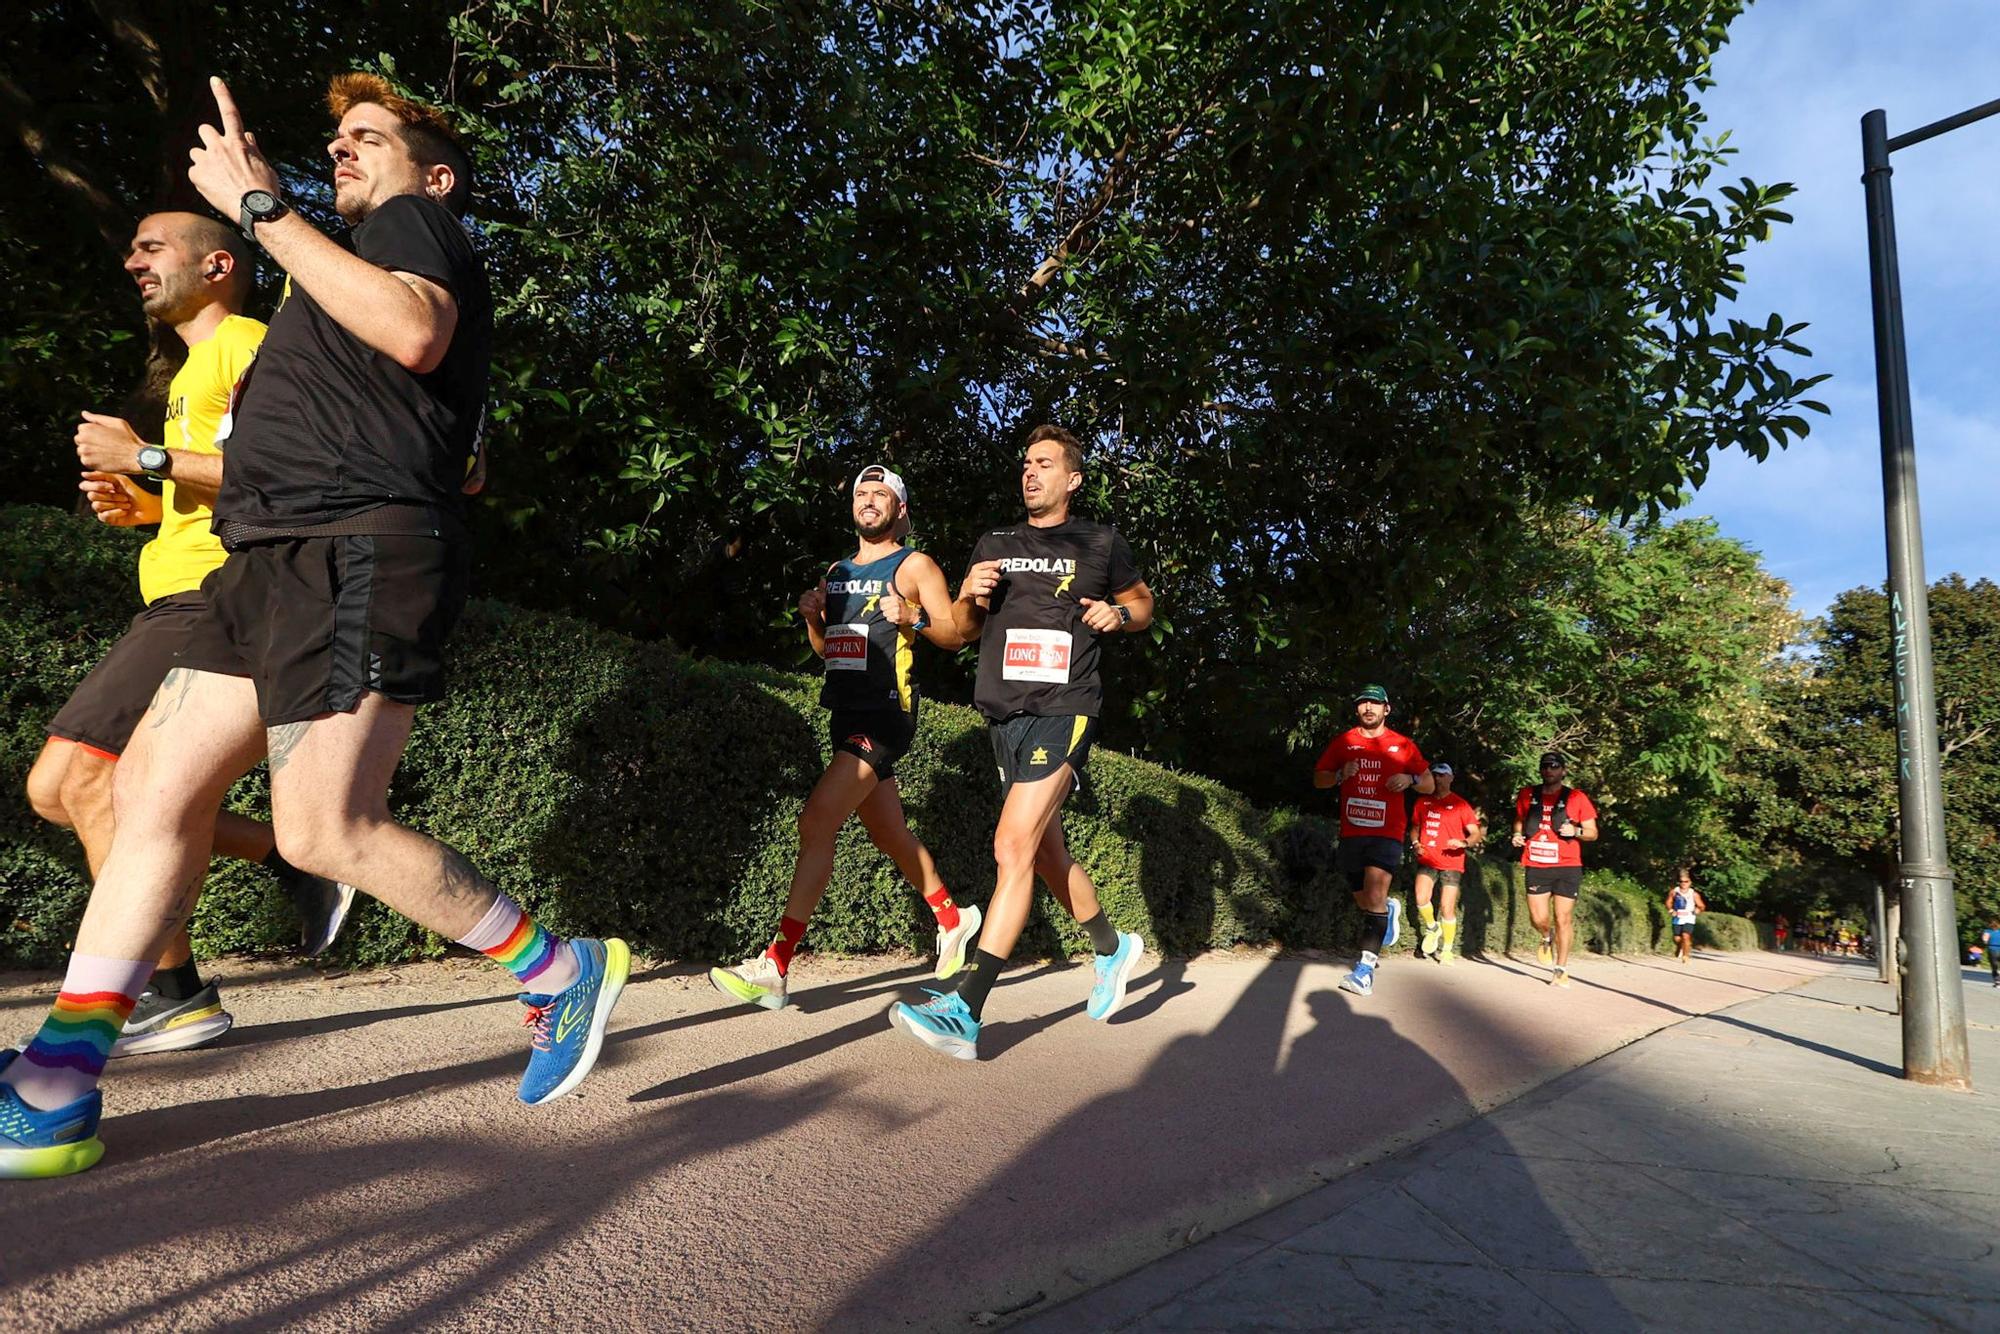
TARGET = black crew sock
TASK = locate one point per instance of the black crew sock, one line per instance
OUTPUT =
(979, 980)
(1103, 935)
(1374, 930)
(178, 983)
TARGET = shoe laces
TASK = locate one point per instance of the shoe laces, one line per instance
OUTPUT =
(940, 1002)
(537, 1018)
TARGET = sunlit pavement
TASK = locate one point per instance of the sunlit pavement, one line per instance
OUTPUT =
(352, 1155)
(1763, 1168)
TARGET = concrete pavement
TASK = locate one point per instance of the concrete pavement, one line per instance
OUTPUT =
(352, 1157)
(1761, 1168)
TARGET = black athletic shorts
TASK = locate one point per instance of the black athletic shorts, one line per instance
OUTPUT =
(1027, 747)
(105, 708)
(1562, 881)
(1358, 852)
(315, 622)
(1683, 928)
(1439, 874)
(877, 737)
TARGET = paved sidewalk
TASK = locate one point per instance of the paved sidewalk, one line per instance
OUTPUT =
(352, 1156)
(1762, 1168)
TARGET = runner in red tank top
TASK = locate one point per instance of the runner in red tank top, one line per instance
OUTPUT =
(1372, 767)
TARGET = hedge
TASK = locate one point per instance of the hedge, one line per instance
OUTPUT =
(619, 786)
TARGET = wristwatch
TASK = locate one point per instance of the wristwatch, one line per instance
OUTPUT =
(155, 460)
(259, 206)
(1124, 614)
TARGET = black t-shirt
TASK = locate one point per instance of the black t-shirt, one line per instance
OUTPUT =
(328, 428)
(1035, 654)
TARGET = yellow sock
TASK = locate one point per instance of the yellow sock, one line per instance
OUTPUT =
(1427, 915)
(1450, 932)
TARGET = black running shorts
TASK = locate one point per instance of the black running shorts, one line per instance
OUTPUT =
(1562, 881)
(1028, 747)
(315, 622)
(877, 737)
(1439, 874)
(106, 706)
(1358, 852)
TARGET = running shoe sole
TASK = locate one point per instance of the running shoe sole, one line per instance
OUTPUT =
(734, 987)
(1395, 931)
(61, 1161)
(617, 966)
(954, 945)
(180, 1035)
(943, 1043)
(1353, 983)
(336, 918)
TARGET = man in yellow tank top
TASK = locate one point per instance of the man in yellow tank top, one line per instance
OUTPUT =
(197, 275)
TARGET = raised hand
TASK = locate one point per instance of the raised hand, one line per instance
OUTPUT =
(228, 165)
(812, 603)
(980, 581)
(896, 610)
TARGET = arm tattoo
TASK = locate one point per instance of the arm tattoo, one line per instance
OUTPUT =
(458, 880)
(282, 740)
(173, 692)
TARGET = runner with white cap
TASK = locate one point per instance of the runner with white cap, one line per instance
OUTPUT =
(863, 619)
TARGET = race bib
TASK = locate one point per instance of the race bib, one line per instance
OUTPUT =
(1037, 655)
(846, 648)
(1366, 813)
(1544, 852)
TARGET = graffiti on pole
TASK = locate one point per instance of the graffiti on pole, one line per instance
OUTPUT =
(1902, 653)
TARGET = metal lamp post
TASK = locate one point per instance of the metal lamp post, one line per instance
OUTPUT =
(1933, 1010)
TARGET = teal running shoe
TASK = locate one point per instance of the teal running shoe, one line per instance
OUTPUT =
(34, 1143)
(942, 1023)
(1113, 972)
(1360, 980)
(569, 1027)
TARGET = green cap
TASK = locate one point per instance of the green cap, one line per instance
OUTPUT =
(1375, 693)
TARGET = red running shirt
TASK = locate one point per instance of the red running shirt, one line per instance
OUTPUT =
(1544, 847)
(1440, 820)
(1367, 808)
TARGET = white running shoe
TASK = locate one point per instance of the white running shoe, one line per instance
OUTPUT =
(954, 945)
(755, 981)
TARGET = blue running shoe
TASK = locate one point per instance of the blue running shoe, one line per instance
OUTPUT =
(941, 1023)
(34, 1143)
(569, 1028)
(1395, 931)
(1361, 981)
(1113, 972)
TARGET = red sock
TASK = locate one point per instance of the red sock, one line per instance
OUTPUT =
(946, 910)
(789, 934)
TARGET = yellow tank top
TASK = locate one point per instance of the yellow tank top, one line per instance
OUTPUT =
(185, 551)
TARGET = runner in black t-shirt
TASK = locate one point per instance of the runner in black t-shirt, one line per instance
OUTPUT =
(1038, 597)
(324, 628)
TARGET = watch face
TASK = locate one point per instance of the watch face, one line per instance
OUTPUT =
(152, 458)
(260, 201)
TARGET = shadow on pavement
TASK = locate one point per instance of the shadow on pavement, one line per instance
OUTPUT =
(1219, 1127)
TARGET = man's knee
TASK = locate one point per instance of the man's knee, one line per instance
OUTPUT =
(818, 822)
(1014, 847)
(45, 783)
(86, 787)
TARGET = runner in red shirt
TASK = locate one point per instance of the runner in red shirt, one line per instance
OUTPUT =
(1563, 820)
(1372, 767)
(1443, 826)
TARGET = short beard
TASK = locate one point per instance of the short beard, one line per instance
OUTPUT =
(880, 530)
(179, 298)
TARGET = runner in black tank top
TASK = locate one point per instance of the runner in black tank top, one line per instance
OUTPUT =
(863, 619)
(1040, 596)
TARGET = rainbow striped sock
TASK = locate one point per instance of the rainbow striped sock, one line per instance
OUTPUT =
(67, 1055)
(543, 963)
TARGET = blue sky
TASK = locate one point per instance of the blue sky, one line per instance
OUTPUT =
(1792, 86)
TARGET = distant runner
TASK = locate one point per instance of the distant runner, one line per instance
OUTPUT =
(1558, 820)
(863, 619)
(1684, 901)
(1372, 766)
(1443, 826)
(1041, 597)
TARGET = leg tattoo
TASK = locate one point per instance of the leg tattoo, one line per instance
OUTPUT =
(282, 740)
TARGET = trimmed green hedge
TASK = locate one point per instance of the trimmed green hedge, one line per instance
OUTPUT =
(617, 786)
(1727, 931)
